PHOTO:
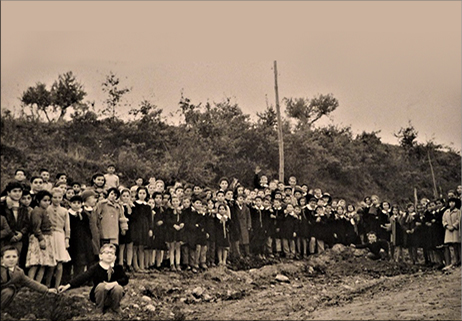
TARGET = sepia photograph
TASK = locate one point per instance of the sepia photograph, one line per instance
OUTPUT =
(231, 160)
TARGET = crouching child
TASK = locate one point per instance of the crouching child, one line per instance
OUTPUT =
(108, 281)
(378, 248)
(13, 277)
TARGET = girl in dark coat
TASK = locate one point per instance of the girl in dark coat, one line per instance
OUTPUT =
(141, 227)
(158, 230)
(174, 223)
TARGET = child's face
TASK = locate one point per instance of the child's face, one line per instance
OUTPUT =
(111, 169)
(125, 197)
(252, 194)
(45, 176)
(99, 181)
(372, 238)
(57, 199)
(224, 185)
(112, 196)
(272, 185)
(302, 201)
(186, 203)
(158, 199)
(197, 205)
(45, 202)
(179, 192)
(62, 178)
(240, 199)
(277, 203)
(229, 195)
(340, 210)
(385, 206)
(261, 193)
(76, 205)
(452, 204)
(37, 184)
(10, 258)
(220, 197)
(91, 201)
(63, 188)
(151, 189)
(142, 194)
(292, 180)
(305, 188)
(26, 200)
(222, 210)
(350, 208)
(15, 194)
(151, 203)
(258, 202)
(107, 256)
(289, 208)
(267, 203)
(159, 186)
(175, 202)
(298, 210)
(20, 176)
(459, 189)
(281, 186)
(263, 180)
(70, 193)
(139, 181)
(197, 189)
(76, 188)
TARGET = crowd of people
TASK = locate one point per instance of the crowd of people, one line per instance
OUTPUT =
(59, 228)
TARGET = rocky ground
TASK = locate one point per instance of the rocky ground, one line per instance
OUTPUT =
(338, 284)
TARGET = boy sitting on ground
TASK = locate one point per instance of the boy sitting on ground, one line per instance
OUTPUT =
(378, 248)
(13, 277)
(108, 281)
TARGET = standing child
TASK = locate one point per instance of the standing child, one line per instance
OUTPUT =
(16, 215)
(396, 234)
(60, 232)
(158, 229)
(41, 252)
(109, 218)
(222, 234)
(108, 281)
(112, 180)
(451, 222)
(210, 228)
(80, 242)
(141, 227)
(174, 222)
(125, 241)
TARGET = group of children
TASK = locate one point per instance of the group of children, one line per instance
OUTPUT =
(58, 230)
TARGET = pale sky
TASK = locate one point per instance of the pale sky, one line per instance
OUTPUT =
(387, 62)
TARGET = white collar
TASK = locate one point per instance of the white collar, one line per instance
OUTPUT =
(105, 266)
(141, 202)
(74, 213)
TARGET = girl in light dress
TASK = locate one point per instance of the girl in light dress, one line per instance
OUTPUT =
(60, 226)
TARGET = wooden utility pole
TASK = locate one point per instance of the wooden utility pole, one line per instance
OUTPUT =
(280, 140)
(435, 191)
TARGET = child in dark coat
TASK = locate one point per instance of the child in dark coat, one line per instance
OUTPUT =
(108, 281)
(378, 248)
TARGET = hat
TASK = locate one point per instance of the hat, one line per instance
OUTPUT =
(87, 193)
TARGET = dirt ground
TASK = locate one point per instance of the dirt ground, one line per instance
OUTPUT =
(340, 284)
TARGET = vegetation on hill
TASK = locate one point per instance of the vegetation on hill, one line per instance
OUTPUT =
(218, 139)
